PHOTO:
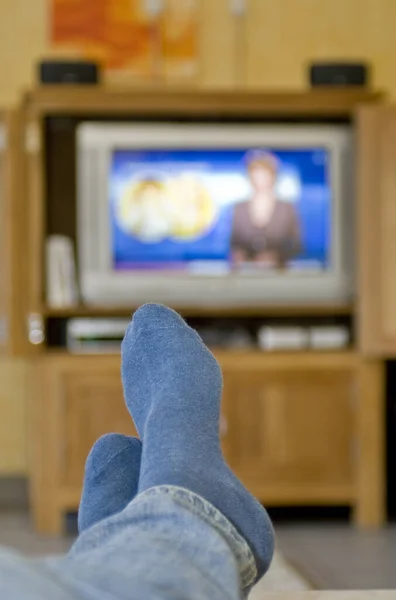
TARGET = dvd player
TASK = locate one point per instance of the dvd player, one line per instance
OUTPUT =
(95, 336)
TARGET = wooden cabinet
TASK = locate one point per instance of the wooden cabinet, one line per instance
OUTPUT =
(291, 428)
(303, 428)
(376, 173)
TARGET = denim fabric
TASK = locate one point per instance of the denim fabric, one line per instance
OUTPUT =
(167, 544)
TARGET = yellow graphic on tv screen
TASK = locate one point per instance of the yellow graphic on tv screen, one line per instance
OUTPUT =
(180, 209)
(145, 211)
(194, 209)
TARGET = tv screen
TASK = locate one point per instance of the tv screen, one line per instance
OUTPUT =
(215, 210)
(215, 214)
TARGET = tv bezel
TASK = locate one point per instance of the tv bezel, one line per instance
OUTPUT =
(102, 285)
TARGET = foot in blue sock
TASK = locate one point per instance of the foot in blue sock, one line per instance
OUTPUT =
(173, 386)
(111, 478)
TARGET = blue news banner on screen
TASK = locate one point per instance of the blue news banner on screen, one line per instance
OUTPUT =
(216, 210)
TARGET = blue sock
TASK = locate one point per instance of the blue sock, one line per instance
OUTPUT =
(111, 478)
(173, 387)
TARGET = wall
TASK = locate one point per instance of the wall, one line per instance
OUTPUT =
(287, 34)
(23, 27)
(279, 38)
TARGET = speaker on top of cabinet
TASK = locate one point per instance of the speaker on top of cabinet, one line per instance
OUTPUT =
(336, 74)
(55, 72)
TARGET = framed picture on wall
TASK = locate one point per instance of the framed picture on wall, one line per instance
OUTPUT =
(144, 39)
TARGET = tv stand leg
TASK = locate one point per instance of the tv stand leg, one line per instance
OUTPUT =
(43, 442)
(370, 509)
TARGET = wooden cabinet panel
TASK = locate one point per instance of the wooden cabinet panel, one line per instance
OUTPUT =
(77, 399)
(297, 428)
(92, 405)
(290, 427)
(376, 171)
(73, 400)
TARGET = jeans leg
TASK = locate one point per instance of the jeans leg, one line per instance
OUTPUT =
(168, 544)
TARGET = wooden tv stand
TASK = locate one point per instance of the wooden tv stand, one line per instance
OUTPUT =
(298, 428)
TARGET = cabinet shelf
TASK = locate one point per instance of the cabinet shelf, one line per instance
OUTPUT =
(239, 359)
(328, 310)
(102, 100)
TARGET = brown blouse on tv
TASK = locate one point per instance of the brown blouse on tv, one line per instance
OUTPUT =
(280, 238)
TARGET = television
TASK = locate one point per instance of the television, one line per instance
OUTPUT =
(222, 215)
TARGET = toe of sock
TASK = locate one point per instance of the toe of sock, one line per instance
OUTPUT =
(108, 447)
(111, 478)
(153, 316)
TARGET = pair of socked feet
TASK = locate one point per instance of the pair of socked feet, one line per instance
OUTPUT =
(172, 387)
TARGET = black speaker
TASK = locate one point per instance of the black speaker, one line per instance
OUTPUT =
(339, 74)
(68, 72)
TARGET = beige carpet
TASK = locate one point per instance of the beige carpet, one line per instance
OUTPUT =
(281, 577)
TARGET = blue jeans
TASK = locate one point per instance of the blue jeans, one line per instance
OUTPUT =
(167, 544)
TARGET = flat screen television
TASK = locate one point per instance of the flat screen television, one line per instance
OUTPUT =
(222, 215)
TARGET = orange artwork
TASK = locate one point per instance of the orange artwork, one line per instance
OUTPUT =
(180, 38)
(145, 38)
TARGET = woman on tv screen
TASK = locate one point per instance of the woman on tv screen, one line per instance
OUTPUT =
(266, 230)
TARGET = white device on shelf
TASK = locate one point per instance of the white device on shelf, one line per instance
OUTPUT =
(283, 338)
(62, 290)
(329, 337)
(95, 336)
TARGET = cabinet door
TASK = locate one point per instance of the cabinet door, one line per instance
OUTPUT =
(376, 173)
(289, 432)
